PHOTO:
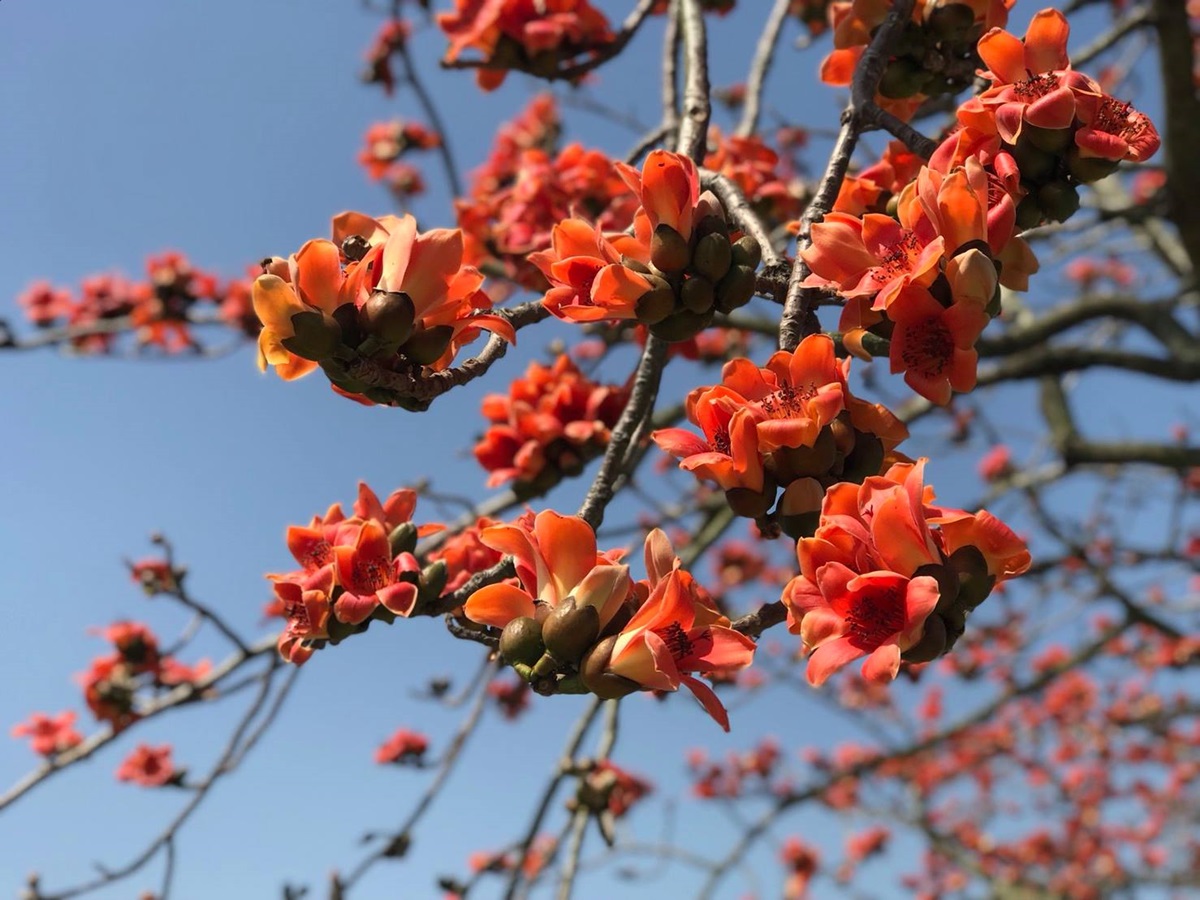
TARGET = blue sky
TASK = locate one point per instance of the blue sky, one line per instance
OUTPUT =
(228, 131)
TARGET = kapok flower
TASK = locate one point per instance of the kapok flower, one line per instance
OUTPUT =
(535, 36)
(1032, 81)
(728, 454)
(306, 611)
(556, 560)
(588, 283)
(149, 766)
(889, 573)
(669, 189)
(675, 632)
(404, 746)
(49, 735)
(1114, 130)
(847, 616)
(371, 577)
(934, 346)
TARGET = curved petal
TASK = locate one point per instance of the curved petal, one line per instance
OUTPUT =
(498, 604)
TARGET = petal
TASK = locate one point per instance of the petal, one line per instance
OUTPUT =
(275, 302)
(708, 699)
(1046, 42)
(498, 604)
(1003, 54)
(396, 254)
(568, 545)
(317, 273)
(399, 598)
(883, 664)
(828, 658)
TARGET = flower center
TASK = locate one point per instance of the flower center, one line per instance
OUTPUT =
(929, 348)
(677, 640)
(370, 574)
(720, 442)
(875, 617)
(788, 401)
(1035, 87)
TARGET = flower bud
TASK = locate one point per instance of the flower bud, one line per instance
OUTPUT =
(748, 503)
(521, 641)
(713, 256)
(902, 78)
(355, 247)
(433, 581)
(654, 306)
(800, 507)
(736, 288)
(1058, 200)
(950, 22)
(316, 337)
(1087, 169)
(403, 538)
(594, 672)
(697, 294)
(668, 249)
(932, 643)
(569, 630)
(1052, 140)
(428, 344)
(681, 325)
(388, 316)
(746, 252)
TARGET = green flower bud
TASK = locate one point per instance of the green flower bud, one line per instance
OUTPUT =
(746, 252)
(388, 317)
(713, 256)
(403, 538)
(1052, 140)
(602, 683)
(932, 643)
(654, 306)
(902, 78)
(569, 630)
(316, 337)
(1058, 200)
(668, 250)
(748, 503)
(736, 288)
(427, 344)
(681, 325)
(521, 641)
(697, 293)
(1086, 169)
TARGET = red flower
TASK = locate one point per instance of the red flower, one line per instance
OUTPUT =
(934, 346)
(402, 747)
(49, 734)
(149, 766)
(370, 577)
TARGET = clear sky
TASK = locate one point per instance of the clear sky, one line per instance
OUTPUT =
(228, 130)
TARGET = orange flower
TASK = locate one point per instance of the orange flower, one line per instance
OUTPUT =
(1032, 79)
(934, 346)
(729, 454)
(669, 189)
(676, 631)
(556, 559)
(588, 282)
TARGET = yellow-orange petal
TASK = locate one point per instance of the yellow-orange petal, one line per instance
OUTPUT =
(498, 604)
(275, 302)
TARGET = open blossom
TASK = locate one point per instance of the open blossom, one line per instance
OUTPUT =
(407, 290)
(790, 424)
(349, 569)
(49, 735)
(149, 766)
(402, 747)
(556, 559)
(531, 35)
(676, 632)
(551, 422)
(883, 558)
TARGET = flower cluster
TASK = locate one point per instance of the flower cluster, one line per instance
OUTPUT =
(1042, 128)
(723, 780)
(791, 425)
(352, 570)
(608, 790)
(935, 54)
(379, 292)
(890, 576)
(160, 307)
(929, 279)
(110, 686)
(535, 36)
(383, 146)
(528, 185)
(774, 192)
(674, 273)
(577, 622)
(921, 264)
(549, 424)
